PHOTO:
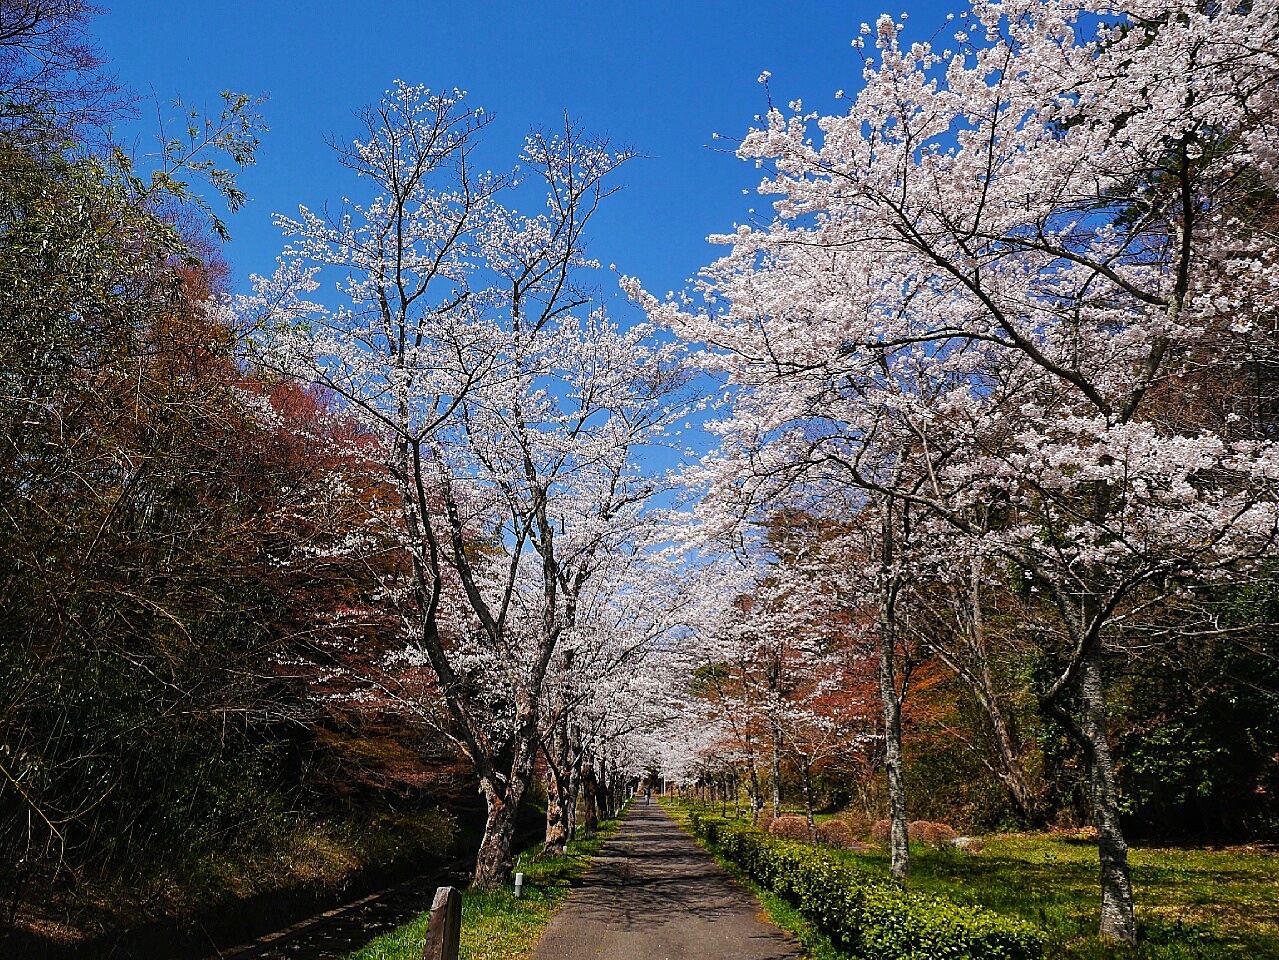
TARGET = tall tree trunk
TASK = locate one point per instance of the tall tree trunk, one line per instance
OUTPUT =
(756, 793)
(1117, 920)
(776, 731)
(1012, 772)
(892, 700)
(601, 791)
(806, 776)
(570, 803)
(590, 812)
(557, 835)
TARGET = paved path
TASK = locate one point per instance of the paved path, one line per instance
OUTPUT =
(654, 894)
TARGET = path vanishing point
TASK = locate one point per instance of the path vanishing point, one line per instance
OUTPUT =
(654, 894)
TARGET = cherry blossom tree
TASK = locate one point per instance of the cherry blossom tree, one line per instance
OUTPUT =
(463, 334)
(612, 673)
(978, 278)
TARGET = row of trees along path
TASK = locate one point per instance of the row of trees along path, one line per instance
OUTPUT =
(654, 893)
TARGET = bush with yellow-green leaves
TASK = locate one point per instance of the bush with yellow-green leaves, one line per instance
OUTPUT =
(867, 916)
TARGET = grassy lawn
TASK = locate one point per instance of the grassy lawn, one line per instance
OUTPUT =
(495, 925)
(1192, 904)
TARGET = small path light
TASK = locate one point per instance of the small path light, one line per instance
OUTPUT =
(519, 884)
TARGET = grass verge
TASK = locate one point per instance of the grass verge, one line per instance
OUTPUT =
(496, 925)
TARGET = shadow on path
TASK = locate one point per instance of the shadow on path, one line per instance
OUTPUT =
(654, 894)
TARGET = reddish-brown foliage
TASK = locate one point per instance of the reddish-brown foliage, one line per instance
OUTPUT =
(835, 833)
(790, 827)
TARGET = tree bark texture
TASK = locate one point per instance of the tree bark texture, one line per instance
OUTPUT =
(556, 818)
(1117, 919)
(494, 860)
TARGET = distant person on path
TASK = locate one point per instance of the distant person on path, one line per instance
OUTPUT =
(648, 793)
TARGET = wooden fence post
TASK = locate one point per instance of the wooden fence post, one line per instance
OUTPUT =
(444, 929)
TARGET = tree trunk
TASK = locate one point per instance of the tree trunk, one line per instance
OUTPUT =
(777, 769)
(1117, 920)
(892, 701)
(806, 775)
(590, 812)
(900, 847)
(557, 835)
(1013, 773)
(757, 795)
(493, 862)
(601, 794)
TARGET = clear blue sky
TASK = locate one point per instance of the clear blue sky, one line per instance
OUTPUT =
(657, 75)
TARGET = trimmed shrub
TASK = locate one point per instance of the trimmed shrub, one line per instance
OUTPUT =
(866, 915)
(835, 833)
(939, 835)
(881, 831)
(789, 827)
(858, 822)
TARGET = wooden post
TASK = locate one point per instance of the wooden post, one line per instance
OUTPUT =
(444, 930)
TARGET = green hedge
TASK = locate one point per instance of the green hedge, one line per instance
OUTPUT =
(865, 915)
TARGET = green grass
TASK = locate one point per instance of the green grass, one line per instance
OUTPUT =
(1192, 903)
(496, 925)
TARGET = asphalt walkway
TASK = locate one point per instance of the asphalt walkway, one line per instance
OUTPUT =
(654, 894)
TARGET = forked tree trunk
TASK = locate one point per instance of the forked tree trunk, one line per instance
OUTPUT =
(1012, 771)
(503, 796)
(974, 669)
(1117, 920)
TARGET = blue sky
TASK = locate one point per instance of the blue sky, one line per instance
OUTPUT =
(660, 77)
